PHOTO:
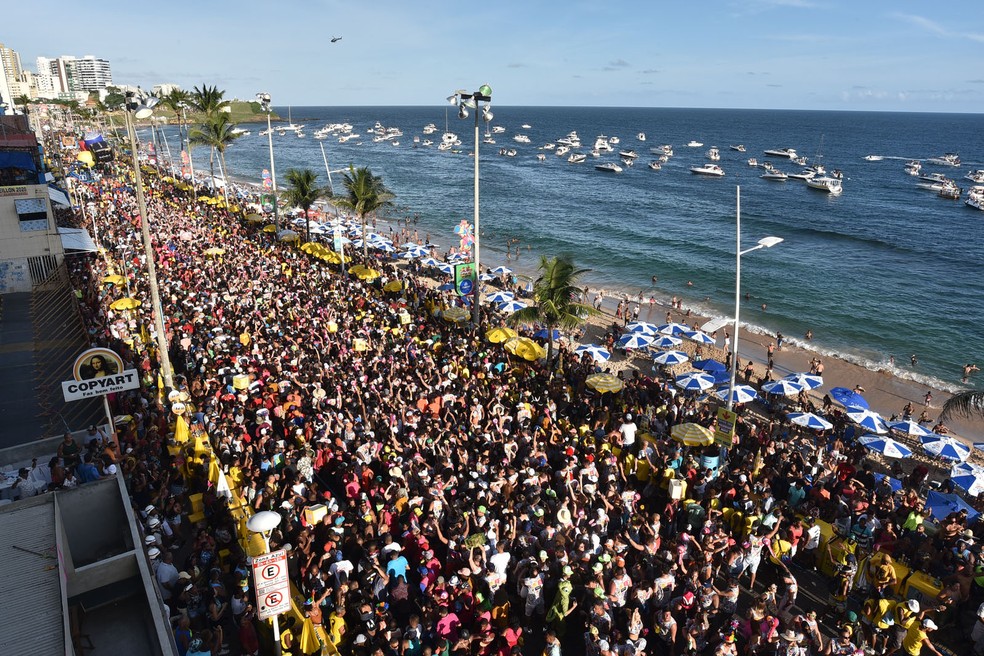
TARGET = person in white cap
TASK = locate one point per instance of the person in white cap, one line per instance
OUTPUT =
(916, 639)
(628, 430)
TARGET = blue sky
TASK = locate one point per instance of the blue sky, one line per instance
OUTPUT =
(781, 54)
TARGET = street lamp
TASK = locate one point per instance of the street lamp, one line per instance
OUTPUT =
(473, 101)
(264, 99)
(263, 523)
(764, 242)
(137, 107)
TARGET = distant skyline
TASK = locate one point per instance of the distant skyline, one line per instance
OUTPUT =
(767, 54)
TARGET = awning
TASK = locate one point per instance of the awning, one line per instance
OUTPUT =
(76, 240)
(58, 196)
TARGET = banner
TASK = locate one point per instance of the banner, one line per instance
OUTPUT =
(724, 428)
(465, 278)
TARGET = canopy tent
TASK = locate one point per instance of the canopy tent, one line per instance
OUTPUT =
(76, 240)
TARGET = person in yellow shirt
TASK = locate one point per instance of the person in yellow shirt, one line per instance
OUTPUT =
(917, 638)
(879, 618)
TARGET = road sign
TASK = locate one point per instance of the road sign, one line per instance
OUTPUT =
(724, 429)
(272, 586)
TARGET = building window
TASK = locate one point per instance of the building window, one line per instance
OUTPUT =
(32, 214)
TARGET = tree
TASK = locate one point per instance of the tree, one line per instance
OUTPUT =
(966, 404)
(209, 101)
(176, 100)
(364, 195)
(303, 191)
(216, 133)
(554, 294)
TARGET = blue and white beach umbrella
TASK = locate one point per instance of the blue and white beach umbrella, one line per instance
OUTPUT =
(499, 297)
(848, 398)
(885, 446)
(501, 270)
(808, 381)
(485, 277)
(809, 420)
(969, 477)
(709, 365)
(942, 446)
(665, 341)
(417, 251)
(909, 427)
(543, 333)
(869, 420)
(695, 381)
(457, 257)
(511, 306)
(674, 329)
(699, 336)
(670, 358)
(643, 327)
(445, 268)
(383, 246)
(740, 394)
(599, 353)
(782, 387)
(630, 341)
(429, 262)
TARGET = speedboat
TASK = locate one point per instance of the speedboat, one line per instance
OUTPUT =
(540, 157)
(562, 150)
(613, 140)
(976, 177)
(654, 165)
(773, 174)
(577, 158)
(788, 153)
(627, 154)
(549, 146)
(498, 129)
(665, 149)
(739, 147)
(694, 144)
(949, 159)
(799, 160)
(752, 161)
(641, 136)
(486, 140)
(824, 183)
(975, 198)
(934, 177)
(874, 158)
(913, 167)
(951, 191)
(601, 144)
(521, 138)
(430, 128)
(239, 132)
(714, 154)
(805, 174)
(511, 152)
(708, 169)
(427, 142)
(608, 167)
(526, 126)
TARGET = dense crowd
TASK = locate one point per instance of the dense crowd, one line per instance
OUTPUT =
(441, 497)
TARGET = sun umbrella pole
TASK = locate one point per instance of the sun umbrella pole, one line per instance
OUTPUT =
(734, 338)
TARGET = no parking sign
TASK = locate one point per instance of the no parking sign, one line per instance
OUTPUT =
(272, 586)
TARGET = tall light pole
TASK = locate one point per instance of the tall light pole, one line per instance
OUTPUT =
(466, 101)
(263, 523)
(134, 109)
(764, 242)
(264, 99)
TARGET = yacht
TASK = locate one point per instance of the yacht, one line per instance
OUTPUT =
(521, 138)
(913, 168)
(823, 183)
(951, 191)
(665, 149)
(799, 160)
(601, 144)
(654, 165)
(976, 177)
(752, 161)
(805, 174)
(562, 150)
(264, 133)
(596, 153)
(873, 158)
(498, 129)
(526, 126)
(641, 136)
(627, 154)
(789, 153)
(975, 198)
(541, 157)
(739, 147)
(608, 167)
(708, 169)
(773, 174)
(934, 177)
(549, 146)
(571, 140)
(577, 158)
(949, 159)
(694, 144)
(430, 128)
(290, 127)
(714, 154)
(239, 132)
(613, 140)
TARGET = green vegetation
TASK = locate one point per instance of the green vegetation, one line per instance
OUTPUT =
(303, 191)
(364, 195)
(216, 133)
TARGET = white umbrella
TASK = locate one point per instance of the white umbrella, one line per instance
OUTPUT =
(869, 420)
(909, 427)
(943, 446)
(695, 381)
(599, 353)
(429, 262)
(968, 476)
(740, 394)
(511, 306)
(808, 381)
(782, 387)
(445, 268)
(809, 420)
(673, 328)
(885, 446)
(643, 327)
(669, 358)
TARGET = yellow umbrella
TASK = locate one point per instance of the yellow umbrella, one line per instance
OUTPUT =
(456, 314)
(692, 435)
(604, 383)
(215, 250)
(269, 228)
(125, 304)
(310, 247)
(368, 274)
(499, 335)
(393, 286)
(357, 269)
(254, 218)
(114, 280)
(524, 347)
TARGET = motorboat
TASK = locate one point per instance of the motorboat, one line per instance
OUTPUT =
(628, 162)
(934, 177)
(654, 165)
(825, 183)
(975, 198)
(596, 153)
(526, 126)
(752, 161)
(608, 167)
(950, 191)
(627, 154)
(427, 142)
(936, 186)
(641, 136)
(665, 149)
(521, 138)
(430, 128)
(663, 159)
(613, 140)
(264, 133)
(299, 134)
(291, 126)
(577, 158)
(773, 174)
(708, 169)
(239, 132)
(788, 153)
(977, 177)
(507, 152)
(805, 174)
(714, 154)
(488, 140)
(949, 159)
(913, 167)
(601, 144)
(498, 129)
(873, 158)
(540, 157)
(562, 150)
(694, 144)
(798, 160)
(549, 146)
(739, 147)
(571, 140)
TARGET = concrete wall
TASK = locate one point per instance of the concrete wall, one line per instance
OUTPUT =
(96, 523)
(18, 245)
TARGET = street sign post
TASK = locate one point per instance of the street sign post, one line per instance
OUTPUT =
(272, 585)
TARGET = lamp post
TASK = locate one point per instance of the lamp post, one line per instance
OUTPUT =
(263, 523)
(135, 108)
(466, 101)
(764, 242)
(264, 99)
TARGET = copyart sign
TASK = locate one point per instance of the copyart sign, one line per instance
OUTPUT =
(96, 372)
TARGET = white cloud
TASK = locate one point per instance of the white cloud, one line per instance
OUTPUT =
(931, 26)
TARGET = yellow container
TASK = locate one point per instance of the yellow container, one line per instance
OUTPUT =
(240, 381)
(314, 514)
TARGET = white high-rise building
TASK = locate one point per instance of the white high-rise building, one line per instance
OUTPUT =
(48, 80)
(10, 74)
(91, 74)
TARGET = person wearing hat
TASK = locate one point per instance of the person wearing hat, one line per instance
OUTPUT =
(917, 638)
(791, 644)
(842, 645)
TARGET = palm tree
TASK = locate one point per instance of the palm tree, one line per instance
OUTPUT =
(303, 191)
(966, 404)
(216, 133)
(176, 100)
(208, 100)
(365, 194)
(554, 293)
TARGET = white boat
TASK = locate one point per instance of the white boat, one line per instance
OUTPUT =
(430, 128)
(752, 161)
(427, 142)
(873, 158)
(975, 198)
(654, 165)
(976, 177)
(739, 147)
(694, 144)
(562, 150)
(627, 154)
(577, 158)
(549, 146)
(521, 138)
(789, 153)
(239, 132)
(291, 126)
(708, 169)
(488, 140)
(613, 140)
(608, 167)
(714, 154)
(825, 183)
(951, 191)
(913, 167)
(665, 149)
(264, 133)
(601, 144)
(949, 159)
(541, 157)
(498, 129)
(641, 136)
(596, 153)
(805, 174)
(772, 174)
(934, 177)
(799, 160)
(526, 126)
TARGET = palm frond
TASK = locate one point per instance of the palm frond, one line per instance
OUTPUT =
(964, 404)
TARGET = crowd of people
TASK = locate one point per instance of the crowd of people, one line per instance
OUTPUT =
(441, 497)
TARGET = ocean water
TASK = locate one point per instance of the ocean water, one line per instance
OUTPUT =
(885, 270)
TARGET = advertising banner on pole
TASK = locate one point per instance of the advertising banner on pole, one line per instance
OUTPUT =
(465, 278)
(724, 427)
